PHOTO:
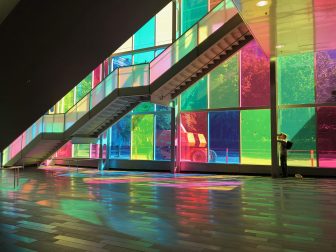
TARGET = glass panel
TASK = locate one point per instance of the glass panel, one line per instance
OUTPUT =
(121, 61)
(81, 150)
(48, 123)
(173, 54)
(296, 79)
(255, 137)
(255, 76)
(84, 87)
(94, 150)
(224, 139)
(326, 135)
(163, 137)
(213, 3)
(97, 94)
(213, 21)
(224, 84)
(164, 25)
(69, 100)
(58, 125)
(111, 82)
(192, 11)
(144, 37)
(127, 46)
(143, 57)
(5, 155)
(144, 107)
(326, 76)
(324, 21)
(106, 68)
(97, 76)
(195, 97)
(194, 137)
(121, 139)
(300, 126)
(134, 76)
(83, 106)
(65, 151)
(70, 117)
(15, 147)
(142, 137)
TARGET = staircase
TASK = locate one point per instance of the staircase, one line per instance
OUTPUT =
(215, 38)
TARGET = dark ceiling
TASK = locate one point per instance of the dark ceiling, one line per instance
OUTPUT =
(46, 47)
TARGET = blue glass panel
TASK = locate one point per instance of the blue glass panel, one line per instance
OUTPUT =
(224, 140)
(157, 52)
(143, 57)
(121, 139)
(121, 61)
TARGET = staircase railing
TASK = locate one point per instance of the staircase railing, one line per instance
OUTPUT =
(126, 77)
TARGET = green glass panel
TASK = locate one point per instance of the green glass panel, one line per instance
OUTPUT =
(81, 150)
(255, 137)
(192, 11)
(83, 87)
(300, 126)
(144, 107)
(195, 97)
(143, 57)
(142, 137)
(69, 100)
(145, 37)
(296, 79)
(223, 85)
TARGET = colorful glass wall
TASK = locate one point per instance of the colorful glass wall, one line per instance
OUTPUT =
(144, 134)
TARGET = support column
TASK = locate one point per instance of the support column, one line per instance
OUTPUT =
(172, 139)
(275, 169)
(101, 162)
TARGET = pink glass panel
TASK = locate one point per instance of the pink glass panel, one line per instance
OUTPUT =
(326, 76)
(16, 146)
(325, 20)
(65, 151)
(94, 151)
(326, 136)
(106, 68)
(97, 76)
(255, 80)
(194, 137)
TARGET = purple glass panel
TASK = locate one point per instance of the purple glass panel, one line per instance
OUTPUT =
(326, 76)
(255, 74)
(326, 136)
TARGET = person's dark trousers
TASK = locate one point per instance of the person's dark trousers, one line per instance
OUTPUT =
(283, 161)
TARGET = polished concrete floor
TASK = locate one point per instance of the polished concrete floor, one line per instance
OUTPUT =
(61, 209)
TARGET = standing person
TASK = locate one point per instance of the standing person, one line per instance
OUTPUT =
(282, 140)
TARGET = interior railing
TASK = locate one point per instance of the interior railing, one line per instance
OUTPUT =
(126, 77)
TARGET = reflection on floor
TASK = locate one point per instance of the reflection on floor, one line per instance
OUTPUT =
(62, 209)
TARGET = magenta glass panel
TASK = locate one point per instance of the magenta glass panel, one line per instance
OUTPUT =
(326, 136)
(94, 150)
(325, 76)
(97, 76)
(325, 20)
(255, 80)
(194, 137)
(65, 151)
